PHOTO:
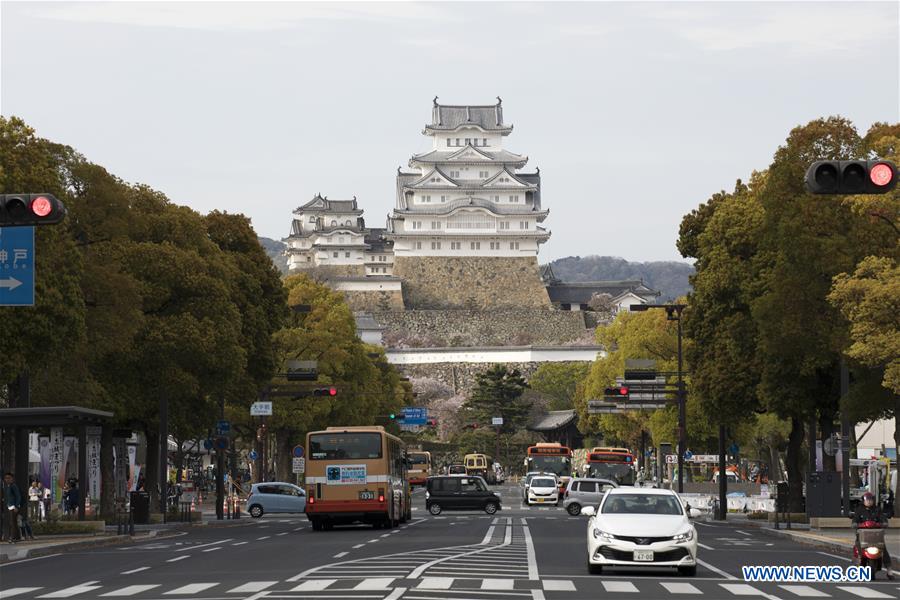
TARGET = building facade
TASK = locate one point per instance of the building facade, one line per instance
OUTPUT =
(466, 196)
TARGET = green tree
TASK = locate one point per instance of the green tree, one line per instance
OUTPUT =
(498, 393)
(559, 383)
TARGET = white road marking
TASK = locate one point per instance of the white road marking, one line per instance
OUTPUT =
(618, 586)
(497, 584)
(265, 537)
(313, 585)
(742, 532)
(863, 592)
(716, 569)
(340, 555)
(375, 583)
(138, 570)
(384, 535)
(131, 590)
(836, 556)
(742, 589)
(204, 545)
(529, 549)
(213, 549)
(372, 541)
(283, 533)
(358, 546)
(18, 591)
(397, 593)
(71, 591)
(435, 583)
(191, 588)
(25, 560)
(252, 586)
(704, 546)
(177, 558)
(558, 585)
(488, 536)
(804, 590)
(537, 595)
(680, 588)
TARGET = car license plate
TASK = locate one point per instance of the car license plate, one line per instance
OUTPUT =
(539, 499)
(369, 496)
(643, 555)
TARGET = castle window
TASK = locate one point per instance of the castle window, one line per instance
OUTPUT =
(435, 180)
(334, 254)
(418, 245)
(495, 245)
(309, 259)
(496, 198)
(483, 174)
(504, 224)
(484, 141)
(454, 173)
(448, 141)
(457, 141)
(346, 255)
(475, 246)
(455, 245)
(333, 222)
(417, 224)
(523, 224)
(513, 198)
(435, 224)
(435, 245)
(468, 141)
(347, 223)
(514, 245)
(312, 219)
(443, 198)
(426, 198)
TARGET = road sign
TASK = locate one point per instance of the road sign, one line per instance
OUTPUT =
(302, 370)
(253, 455)
(671, 459)
(497, 421)
(298, 465)
(221, 443)
(223, 426)
(414, 415)
(733, 449)
(208, 444)
(16, 266)
(298, 451)
(261, 409)
(688, 455)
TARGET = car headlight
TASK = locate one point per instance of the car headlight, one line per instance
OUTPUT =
(684, 536)
(427, 495)
(602, 535)
(496, 494)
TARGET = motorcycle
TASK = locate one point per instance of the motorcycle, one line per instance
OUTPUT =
(869, 552)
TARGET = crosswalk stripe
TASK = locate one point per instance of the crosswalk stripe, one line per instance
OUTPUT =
(252, 586)
(618, 586)
(71, 591)
(558, 585)
(680, 588)
(131, 590)
(863, 592)
(804, 590)
(17, 591)
(375, 583)
(497, 584)
(741, 589)
(191, 588)
(313, 585)
(435, 583)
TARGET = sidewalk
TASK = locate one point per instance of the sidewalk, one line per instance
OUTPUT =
(838, 541)
(54, 544)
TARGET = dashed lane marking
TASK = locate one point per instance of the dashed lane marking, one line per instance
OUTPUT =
(375, 583)
(863, 592)
(619, 586)
(177, 558)
(340, 555)
(203, 545)
(805, 591)
(131, 590)
(557, 585)
(680, 588)
(313, 585)
(132, 571)
(191, 588)
(252, 586)
(18, 591)
(68, 592)
(497, 584)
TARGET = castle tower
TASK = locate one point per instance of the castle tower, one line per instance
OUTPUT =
(466, 225)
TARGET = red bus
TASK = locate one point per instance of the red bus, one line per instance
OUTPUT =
(615, 464)
(550, 458)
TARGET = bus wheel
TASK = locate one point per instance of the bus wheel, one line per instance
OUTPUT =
(317, 525)
(328, 525)
(435, 509)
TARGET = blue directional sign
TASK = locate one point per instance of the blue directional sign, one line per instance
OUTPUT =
(223, 426)
(254, 455)
(688, 455)
(414, 416)
(298, 451)
(16, 266)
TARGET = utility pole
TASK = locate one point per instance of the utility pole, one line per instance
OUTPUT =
(220, 469)
(163, 476)
(723, 479)
(845, 441)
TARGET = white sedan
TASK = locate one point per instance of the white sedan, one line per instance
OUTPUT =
(635, 527)
(543, 489)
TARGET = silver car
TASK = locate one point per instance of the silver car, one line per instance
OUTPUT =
(585, 492)
(275, 497)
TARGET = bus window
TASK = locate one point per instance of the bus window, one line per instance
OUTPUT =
(345, 445)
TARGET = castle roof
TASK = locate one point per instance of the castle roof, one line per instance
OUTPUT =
(473, 202)
(320, 204)
(580, 292)
(476, 157)
(449, 117)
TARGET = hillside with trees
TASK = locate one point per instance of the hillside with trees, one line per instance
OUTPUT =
(669, 277)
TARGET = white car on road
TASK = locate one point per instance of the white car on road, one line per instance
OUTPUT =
(641, 527)
(543, 489)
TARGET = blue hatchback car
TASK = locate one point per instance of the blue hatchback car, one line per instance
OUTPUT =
(275, 497)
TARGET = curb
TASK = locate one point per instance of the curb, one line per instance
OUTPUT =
(99, 542)
(805, 539)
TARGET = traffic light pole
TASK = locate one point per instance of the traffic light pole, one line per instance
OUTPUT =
(220, 470)
(723, 477)
(682, 410)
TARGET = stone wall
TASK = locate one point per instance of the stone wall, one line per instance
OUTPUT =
(460, 377)
(436, 282)
(455, 328)
(370, 300)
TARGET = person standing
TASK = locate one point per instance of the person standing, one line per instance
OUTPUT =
(45, 503)
(35, 495)
(12, 499)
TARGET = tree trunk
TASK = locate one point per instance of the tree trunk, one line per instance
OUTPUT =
(151, 479)
(897, 449)
(792, 460)
(283, 457)
(107, 477)
(774, 465)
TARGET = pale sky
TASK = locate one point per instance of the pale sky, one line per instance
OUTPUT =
(634, 112)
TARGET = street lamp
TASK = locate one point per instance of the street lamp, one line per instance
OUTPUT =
(673, 312)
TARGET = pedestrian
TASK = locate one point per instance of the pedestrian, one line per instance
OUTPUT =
(12, 499)
(45, 503)
(64, 504)
(74, 497)
(35, 496)
(25, 532)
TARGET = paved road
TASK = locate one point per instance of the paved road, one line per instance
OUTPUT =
(521, 553)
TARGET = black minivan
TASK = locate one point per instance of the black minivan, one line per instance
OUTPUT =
(456, 492)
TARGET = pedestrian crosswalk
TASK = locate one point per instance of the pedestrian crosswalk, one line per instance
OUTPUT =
(493, 587)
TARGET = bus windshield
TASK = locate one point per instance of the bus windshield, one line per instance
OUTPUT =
(418, 459)
(620, 473)
(558, 465)
(345, 445)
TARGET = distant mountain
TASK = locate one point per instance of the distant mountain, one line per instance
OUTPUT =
(669, 277)
(275, 250)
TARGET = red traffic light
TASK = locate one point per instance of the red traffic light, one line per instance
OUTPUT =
(30, 210)
(41, 206)
(881, 174)
(332, 391)
(617, 391)
(623, 391)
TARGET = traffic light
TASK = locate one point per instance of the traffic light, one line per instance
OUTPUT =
(30, 209)
(616, 392)
(329, 391)
(851, 177)
(393, 416)
(432, 423)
